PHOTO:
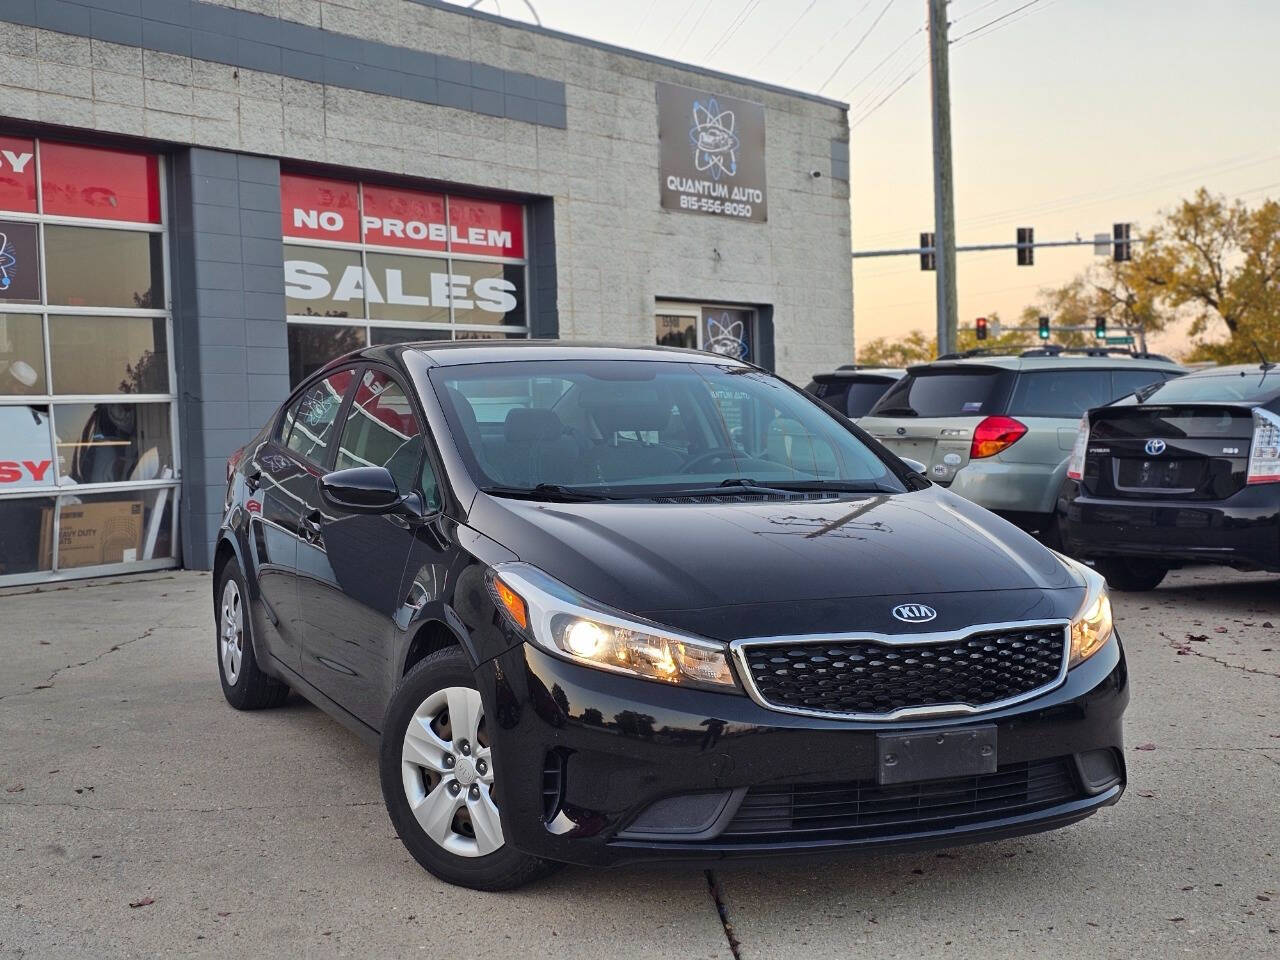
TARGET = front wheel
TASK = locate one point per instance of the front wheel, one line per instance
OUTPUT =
(438, 779)
(1131, 576)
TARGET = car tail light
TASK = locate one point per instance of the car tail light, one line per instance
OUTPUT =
(233, 461)
(993, 435)
(1264, 453)
(1075, 466)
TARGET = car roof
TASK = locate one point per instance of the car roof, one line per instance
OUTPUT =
(457, 352)
(1065, 361)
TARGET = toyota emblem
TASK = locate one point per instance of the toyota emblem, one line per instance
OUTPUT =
(1155, 447)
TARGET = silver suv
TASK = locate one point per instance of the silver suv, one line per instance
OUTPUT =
(998, 430)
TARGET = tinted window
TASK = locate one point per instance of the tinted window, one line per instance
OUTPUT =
(1249, 386)
(308, 425)
(21, 354)
(90, 267)
(381, 430)
(654, 425)
(1060, 393)
(943, 393)
(109, 355)
(311, 346)
(863, 395)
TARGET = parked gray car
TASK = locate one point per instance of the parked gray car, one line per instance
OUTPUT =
(998, 430)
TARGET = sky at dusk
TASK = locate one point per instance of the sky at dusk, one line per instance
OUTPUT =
(1067, 115)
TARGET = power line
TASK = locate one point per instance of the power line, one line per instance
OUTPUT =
(675, 27)
(826, 43)
(734, 26)
(888, 56)
(694, 29)
(970, 13)
(889, 96)
(993, 22)
(787, 32)
(861, 41)
(888, 80)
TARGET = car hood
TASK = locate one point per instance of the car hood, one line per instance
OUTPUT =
(789, 567)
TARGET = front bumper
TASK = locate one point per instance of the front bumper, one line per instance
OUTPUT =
(1243, 530)
(585, 755)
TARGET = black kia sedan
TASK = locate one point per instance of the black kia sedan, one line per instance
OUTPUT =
(606, 604)
(1185, 471)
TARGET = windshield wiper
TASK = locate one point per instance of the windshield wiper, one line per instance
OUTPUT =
(780, 488)
(547, 491)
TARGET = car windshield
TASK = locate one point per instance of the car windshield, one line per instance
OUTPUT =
(633, 428)
(1239, 386)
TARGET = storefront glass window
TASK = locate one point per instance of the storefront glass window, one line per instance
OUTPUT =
(729, 331)
(401, 264)
(88, 469)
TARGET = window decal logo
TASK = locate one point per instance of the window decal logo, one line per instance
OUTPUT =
(726, 336)
(8, 260)
(715, 144)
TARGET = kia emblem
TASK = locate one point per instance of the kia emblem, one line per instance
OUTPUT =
(914, 612)
(1155, 447)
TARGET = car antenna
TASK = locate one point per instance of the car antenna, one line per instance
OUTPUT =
(1266, 364)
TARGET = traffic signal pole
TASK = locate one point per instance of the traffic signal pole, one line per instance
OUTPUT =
(944, 211)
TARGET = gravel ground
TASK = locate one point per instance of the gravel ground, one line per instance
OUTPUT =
(140, 816)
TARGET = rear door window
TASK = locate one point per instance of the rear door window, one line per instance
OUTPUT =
(308, 425)
(1060, 394)
(945, 392)
(863, 395)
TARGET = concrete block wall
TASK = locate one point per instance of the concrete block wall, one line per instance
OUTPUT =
(228, 314)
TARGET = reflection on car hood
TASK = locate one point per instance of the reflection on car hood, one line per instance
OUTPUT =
(788, 566)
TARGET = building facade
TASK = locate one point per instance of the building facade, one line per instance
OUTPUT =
(202, 201)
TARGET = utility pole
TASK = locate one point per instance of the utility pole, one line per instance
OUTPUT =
(944, 208)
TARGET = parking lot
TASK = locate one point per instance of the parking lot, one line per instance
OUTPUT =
(141, 816)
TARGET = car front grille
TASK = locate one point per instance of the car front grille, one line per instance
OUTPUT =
(861, 810)
(868, 678)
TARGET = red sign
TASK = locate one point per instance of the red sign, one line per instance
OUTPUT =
(315, 208)
(405, 218)
(486, 227)
(99, 183)
(17, 174)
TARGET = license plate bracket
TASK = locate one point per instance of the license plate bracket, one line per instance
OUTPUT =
(935, 754)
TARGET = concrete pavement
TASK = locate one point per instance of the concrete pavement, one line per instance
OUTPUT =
(125, 779)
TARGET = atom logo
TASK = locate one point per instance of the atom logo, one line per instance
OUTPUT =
(727, 337)
(715, 145)
(8, 260)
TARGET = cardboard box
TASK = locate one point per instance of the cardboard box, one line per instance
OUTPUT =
(93, 533)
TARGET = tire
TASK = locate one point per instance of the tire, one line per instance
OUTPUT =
(244, 684)
(1131, 576)
(443, 763)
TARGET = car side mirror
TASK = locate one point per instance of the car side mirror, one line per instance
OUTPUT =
(364, 489)
(915, 465)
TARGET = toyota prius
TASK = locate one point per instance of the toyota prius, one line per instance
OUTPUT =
(601, 604)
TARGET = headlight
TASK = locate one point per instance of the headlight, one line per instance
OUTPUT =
(1092, 625)
(561, 620)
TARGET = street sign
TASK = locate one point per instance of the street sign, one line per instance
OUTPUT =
(1119, 341)
(1102, 244)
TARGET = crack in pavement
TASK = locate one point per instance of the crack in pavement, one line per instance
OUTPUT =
(48, 682)
(98, 808)
(1184, 647)
(722, 910)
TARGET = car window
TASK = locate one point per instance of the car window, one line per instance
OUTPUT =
(944, 392)
(650, 424)
(1248, 386)
(1064, 394)
(308, 424)
(863, 395)
(382, 430)
(1125, 382)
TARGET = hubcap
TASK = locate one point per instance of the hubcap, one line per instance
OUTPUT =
(448, 773)
(231, 632)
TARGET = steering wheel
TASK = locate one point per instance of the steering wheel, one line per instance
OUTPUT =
(709, 456)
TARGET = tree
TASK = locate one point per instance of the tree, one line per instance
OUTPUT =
(1218, 263)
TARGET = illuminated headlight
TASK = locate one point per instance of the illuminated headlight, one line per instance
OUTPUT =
(560, 620)
(1092, 625)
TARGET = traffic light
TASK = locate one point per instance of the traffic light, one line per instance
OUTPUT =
(929, 257)
(1122, 246)
(1100, 327)
(1044, 328)
(1026, 254)
(980, 327)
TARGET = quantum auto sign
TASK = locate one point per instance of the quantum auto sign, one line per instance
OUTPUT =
(711, 154)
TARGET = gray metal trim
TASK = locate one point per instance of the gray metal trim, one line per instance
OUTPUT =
(709, 830)
(628, 52)
(253, 41)
(738, 647)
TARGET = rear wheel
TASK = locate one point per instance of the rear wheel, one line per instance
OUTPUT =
(1134, 576)
(439, 776)
(244, 684)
